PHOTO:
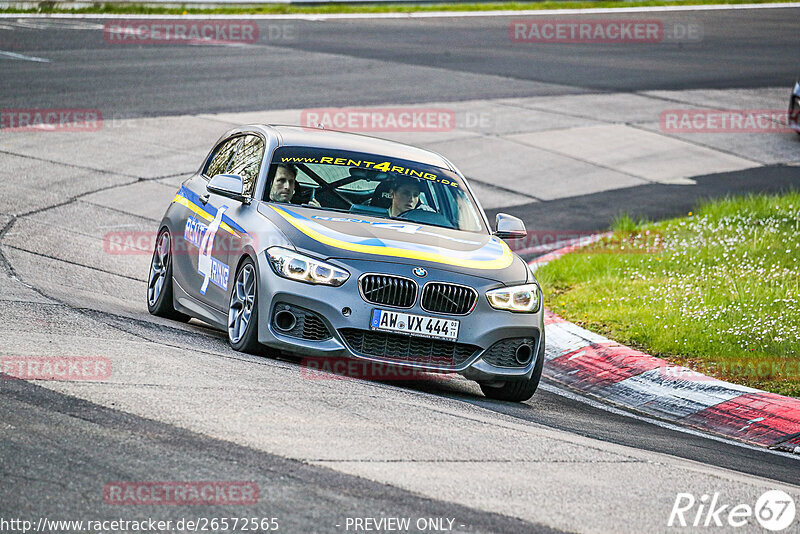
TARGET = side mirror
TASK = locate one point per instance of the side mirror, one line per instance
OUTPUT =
(509, 227)
(228, 185)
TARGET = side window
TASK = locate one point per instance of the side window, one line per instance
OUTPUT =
(247, 162)
(222, 157)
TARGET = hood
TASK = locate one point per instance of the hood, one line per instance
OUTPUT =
(342, 235)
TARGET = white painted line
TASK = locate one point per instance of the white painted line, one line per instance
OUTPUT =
(417, 15)
(22, 57)
(48, 24)
(657, 422)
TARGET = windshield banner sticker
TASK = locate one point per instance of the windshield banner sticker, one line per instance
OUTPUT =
(385, 166)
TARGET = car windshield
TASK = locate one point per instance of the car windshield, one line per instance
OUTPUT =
(373, 185)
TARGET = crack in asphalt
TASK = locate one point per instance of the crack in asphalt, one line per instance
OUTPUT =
(93, 169)
(122, 212)
(7, 267)
(70, 165)
(70, 262)
(12, 273)
(6, 264)
(48, 225)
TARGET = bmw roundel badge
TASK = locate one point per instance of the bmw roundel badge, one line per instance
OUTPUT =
(420, 272)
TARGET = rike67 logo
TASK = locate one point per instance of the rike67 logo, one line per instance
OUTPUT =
(774, 511)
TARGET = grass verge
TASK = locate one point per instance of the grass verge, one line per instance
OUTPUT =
(717, 291)
(48, 7)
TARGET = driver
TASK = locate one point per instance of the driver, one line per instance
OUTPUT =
(405, 196)
(284, 183)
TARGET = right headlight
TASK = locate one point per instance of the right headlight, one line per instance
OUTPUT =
(299, 267)
(524, 298)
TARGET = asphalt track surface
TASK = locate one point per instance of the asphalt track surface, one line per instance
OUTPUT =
(341, 63)
(49, 427)
(59, 446)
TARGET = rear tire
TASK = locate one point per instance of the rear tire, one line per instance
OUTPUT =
(519, 390)
(159, 283)
(243, 310)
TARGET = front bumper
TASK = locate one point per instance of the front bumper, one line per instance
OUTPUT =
(479, 330)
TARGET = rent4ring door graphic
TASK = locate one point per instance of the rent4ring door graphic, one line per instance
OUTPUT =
(203, 244)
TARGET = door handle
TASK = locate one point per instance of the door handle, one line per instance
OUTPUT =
(204, 199)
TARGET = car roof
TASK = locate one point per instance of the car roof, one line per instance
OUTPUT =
(336, 140)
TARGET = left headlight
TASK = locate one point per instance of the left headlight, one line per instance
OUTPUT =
(296, 266)
(524, 298)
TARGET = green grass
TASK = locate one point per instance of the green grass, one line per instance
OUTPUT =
(138, 9)
(717, 290)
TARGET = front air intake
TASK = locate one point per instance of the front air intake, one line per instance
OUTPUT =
(402, 348)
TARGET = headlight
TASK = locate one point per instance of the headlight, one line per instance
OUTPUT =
(300, 267)
(523, 298)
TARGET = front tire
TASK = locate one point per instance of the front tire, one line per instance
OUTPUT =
(519, 390)
(243, 310)
(159, 283)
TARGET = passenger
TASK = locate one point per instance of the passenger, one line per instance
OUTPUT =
(405, 196)
(284, 183)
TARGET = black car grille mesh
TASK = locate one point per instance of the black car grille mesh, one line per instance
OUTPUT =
(410, 349)
(389, 290)
(314, 329)
(502, 353)
(309, 325)
(448, 298)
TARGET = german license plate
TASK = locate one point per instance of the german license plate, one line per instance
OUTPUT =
(414, 325)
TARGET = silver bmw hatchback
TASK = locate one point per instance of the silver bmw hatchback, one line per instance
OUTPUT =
(335, 245)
